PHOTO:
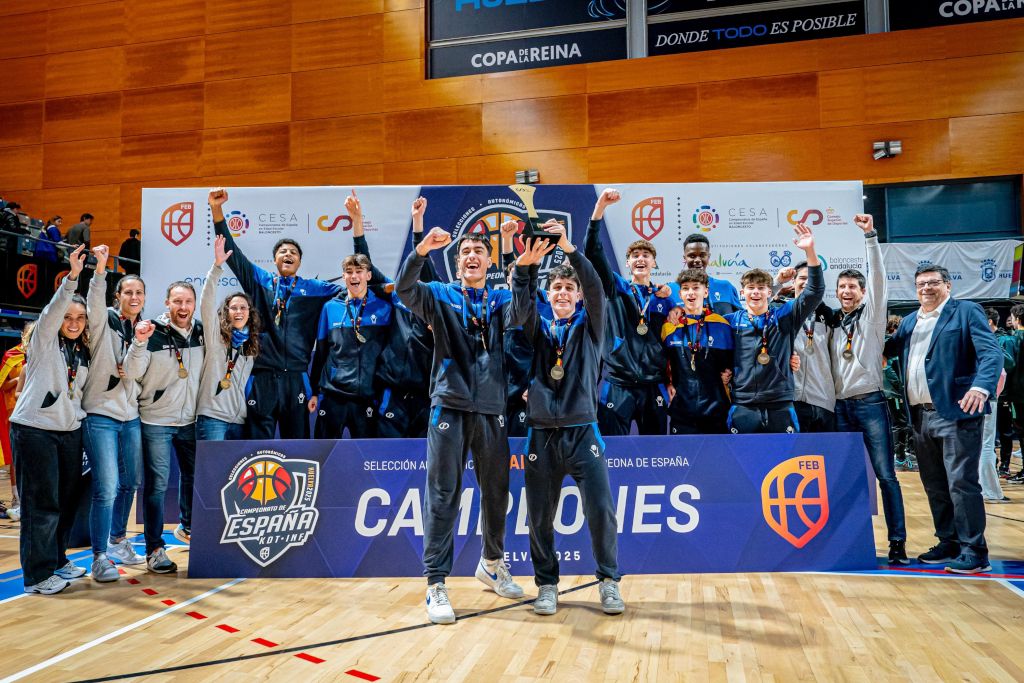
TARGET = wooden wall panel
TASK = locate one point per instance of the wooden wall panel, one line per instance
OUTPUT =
(67, 164)
(432, 133)
(403, 34)
(895, 92)
(165, 155)
(162, 110)
(793, 155)
(646, 115)
(336, 92)
(21, 124)
(534, 83)
(526, 125)
(164, 63)
(251, 149)
(85, 72)
(652, 72)
(319, 10)
(346, 141)
(102, 201)
(244, 54)
(12, 7)
(556, 166)
(986, 145)
(336, 43)
(989, 84)
(404, 87)
(25, 35)
(675, 161)
(846, 152)
(149, 20)
(85, 27)
(759, 105)
(79, 118)
(24, 79)
(432, 172)
(21, 168)
(758, 61)
(235, 15)
(245, 101)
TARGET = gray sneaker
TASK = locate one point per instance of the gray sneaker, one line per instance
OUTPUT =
(70, 571)
(124, 552)
(103, 569)
(159, 563)
(499, 580)
(546, 603)
(611, 600)
(52, 585)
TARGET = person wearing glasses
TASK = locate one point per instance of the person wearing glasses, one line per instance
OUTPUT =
(953, 364)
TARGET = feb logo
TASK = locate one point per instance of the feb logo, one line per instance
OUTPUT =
(177, 221)
(27, 279)
(705, 218)
(649, 217)
(809, 217)
(988, 270)
(794, 499)
(59, 277)
(237, 222)
(270, 505)
(343, 220)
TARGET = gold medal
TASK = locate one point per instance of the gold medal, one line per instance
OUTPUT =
(693, 361)
(182, 373)
(641, 329)
(763, 358)
(848, 354)
(360, 338)
(809, 348)
(71, 394)
(225, 383)
(557, 372)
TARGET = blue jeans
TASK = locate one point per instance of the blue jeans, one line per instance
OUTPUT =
(157, 441)
(870, 415)
(115, 453)
(212, 429)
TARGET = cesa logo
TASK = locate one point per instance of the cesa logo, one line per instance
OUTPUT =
(705, 218)
(649, 217)
(59, 278)
(794, 499)
(238, 223)
(177, 222)
(27, 279)
(335, 222)
(809, 217)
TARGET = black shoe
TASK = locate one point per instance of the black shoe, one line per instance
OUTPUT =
(943, 553)
(1004, 473)
(969, 564)
(898, 552)
(1017, 478)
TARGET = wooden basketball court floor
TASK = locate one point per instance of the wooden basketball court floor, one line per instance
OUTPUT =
(915, 624)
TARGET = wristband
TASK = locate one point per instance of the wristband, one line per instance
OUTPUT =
(871, 233)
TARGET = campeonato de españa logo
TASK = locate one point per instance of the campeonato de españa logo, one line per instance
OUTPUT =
(794, 499)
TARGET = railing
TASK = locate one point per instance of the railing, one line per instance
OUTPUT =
(114, 263)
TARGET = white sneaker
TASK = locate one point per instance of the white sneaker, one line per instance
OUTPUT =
(159, 563)
(103, 569)
(611, 600)
(439, 609)
(546, 603)
(70, 571)
(495, 575)
(14, 513)
(54, 584)
(182, 534)
(124, 552)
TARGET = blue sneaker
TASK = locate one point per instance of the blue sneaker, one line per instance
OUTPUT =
(70, 571)
(969, 564)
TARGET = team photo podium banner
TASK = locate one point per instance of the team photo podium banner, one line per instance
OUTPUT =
(685, 504)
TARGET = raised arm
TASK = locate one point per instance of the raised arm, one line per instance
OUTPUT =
(876, 300)
(419, 296)
(592, 247)
(359, 243)
(208, 303)
(96, 301)
(52, 316)
(249, 275)
(593, 293)
(815, 289)
(523, 311)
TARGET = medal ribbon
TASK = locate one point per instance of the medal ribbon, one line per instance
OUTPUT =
(850, 328)
(232, 359)
(174, 348)
(769, 318)
(694, 341)
(560, 335)
(357, 321)
(71, 352)
(481, 321)
(281, 298)
(641, 304)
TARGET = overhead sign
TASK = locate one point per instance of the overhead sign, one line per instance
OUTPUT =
(756, 28)
(925, 13)
(471, 18)
(528, 53)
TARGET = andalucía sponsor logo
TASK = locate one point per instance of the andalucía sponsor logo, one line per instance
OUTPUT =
(328, 224)
(177, 221)
(270, 505)
(238, 223)
(649, 217)
(809, 217)
(794, 499)
(705, 218)
(27, 279)
(737, 261)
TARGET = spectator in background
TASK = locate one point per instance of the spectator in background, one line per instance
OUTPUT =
(10, 370)
(1011, 402)
(892, 385)
(10, 221)
(79, 232)
(131, 248)
(991, 491)
(46, 247)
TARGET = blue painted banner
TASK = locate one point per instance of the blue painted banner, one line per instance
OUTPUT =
(684, 504)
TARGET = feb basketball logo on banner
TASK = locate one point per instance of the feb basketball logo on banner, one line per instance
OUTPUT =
(684, 505)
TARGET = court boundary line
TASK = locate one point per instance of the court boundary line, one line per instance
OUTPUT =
(45, 664)
(313, 646)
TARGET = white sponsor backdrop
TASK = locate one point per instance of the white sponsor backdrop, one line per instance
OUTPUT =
(980, 270)
(748, 224)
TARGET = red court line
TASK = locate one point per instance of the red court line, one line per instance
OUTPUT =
(133, 581)
(365, 676)
(309, 658)
(229, 629)
(264, 642)
(945, 573)
(196, 615)
(121, 571)
(149, 591)
(167, 602)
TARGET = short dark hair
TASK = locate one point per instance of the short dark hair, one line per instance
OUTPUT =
(993, 316)
(756, 276)
(13, 205)
(133, 233)
(933, 268)
(853, 274)
(892, 324)
(286, 240)
(800, 266)
(1018, 312)
(696, 237)
(182, 284)
(564, 272)
(473, 237)
(692, 275)
(86, 217)
(356, 260)
(128, 278)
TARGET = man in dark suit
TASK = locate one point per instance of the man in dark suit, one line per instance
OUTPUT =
(952, 365)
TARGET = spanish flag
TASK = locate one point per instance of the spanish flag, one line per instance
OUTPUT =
(10, 368)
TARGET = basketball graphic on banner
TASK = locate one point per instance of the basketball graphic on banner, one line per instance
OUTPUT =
(264, 481)
(649, 217)
(794, 499)
(177, 222)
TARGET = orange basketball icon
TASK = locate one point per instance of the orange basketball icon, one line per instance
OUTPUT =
(649, 217)
(793, 494)
(59, 277)
(264, 481)
(27, 279)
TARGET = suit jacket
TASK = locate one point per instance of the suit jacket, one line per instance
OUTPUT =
(963, 353)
